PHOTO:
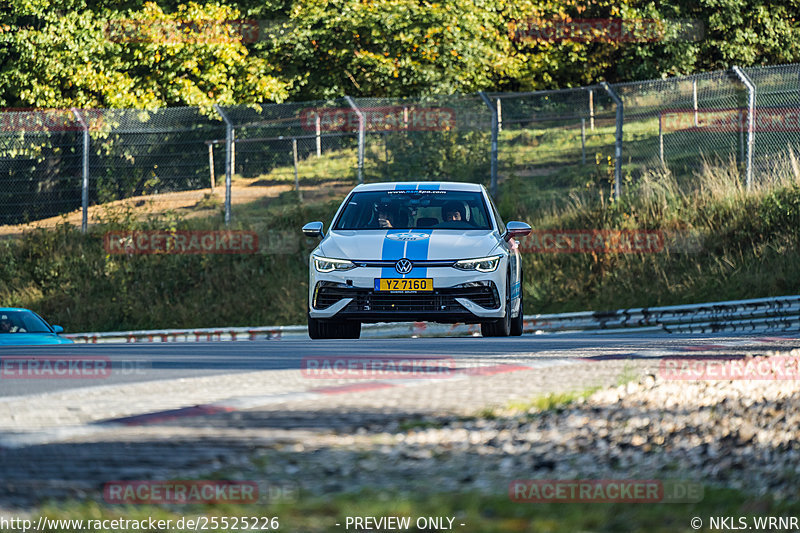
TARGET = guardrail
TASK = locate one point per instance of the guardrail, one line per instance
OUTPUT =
(781, 312)
(760, 314)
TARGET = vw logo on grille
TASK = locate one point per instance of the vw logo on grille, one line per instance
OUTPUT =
(403, 266)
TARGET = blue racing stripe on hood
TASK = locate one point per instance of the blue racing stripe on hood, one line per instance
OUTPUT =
(418, 251)
(392, 250)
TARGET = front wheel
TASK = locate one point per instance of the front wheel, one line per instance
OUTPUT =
(500, 327)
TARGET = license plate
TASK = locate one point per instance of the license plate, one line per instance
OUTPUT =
(404, 284)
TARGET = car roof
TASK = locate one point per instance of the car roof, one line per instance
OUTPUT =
(12, 309)
(419, 185)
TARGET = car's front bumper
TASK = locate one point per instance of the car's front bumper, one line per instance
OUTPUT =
(456, 297)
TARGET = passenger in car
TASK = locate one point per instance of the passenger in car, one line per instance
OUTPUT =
(453, 212)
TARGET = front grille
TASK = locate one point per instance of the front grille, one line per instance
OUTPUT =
(482, 293)
(328, 293)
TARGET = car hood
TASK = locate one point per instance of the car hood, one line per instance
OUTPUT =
(391, 245)
(27, 339)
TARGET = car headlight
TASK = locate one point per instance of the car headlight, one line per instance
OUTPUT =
(482, 264)
(324, 264)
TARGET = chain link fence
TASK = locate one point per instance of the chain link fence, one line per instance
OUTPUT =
(40, 165)
(74, 164)
(776, 143)
(554, 140)
(670, 125)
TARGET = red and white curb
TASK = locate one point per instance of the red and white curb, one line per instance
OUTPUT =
(250, 402)
(238, 403)
(685, 351)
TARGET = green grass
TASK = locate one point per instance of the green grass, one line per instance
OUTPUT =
(749, 239)
(628, 374)
(70, 279)
(339, 164)
(552, 401)
(748, 242)
(419, 424)
(480, 513)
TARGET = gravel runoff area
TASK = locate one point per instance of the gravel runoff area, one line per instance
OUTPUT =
(740, 434)
(718, 432)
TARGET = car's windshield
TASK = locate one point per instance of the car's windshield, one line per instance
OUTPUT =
(21, 322)
(414, 210)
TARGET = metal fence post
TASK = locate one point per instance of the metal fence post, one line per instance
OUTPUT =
(617, 139)
(661, 136)
(296, 179)
(228, 161)
(211, 164)
(741, 137)
(233, 151)
(361, 131)
(85, 178)
(751, 115)
(499, 115)
(591, 109)
(583, 141)
(318, 131)
(493, 178)
(694, 101)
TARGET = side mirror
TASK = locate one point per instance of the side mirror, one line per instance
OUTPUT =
(516, 229)
(313, 229)
(58, 329)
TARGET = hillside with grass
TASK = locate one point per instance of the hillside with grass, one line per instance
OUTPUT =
(745, 245)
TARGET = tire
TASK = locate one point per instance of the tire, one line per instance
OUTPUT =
(500, 327)
(331, 329)
(518, 323)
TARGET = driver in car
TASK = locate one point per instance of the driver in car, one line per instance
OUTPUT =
(6, 326)
(384, 217)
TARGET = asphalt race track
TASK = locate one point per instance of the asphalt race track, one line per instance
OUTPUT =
(132, 363)
(167, 411)
(156, 361)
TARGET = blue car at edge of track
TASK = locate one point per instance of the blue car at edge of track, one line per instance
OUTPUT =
(23, 327)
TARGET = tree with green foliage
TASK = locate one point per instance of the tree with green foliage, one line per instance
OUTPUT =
(63, 53)
(396, 48)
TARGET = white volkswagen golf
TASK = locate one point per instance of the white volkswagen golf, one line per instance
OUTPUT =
(415, 251)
